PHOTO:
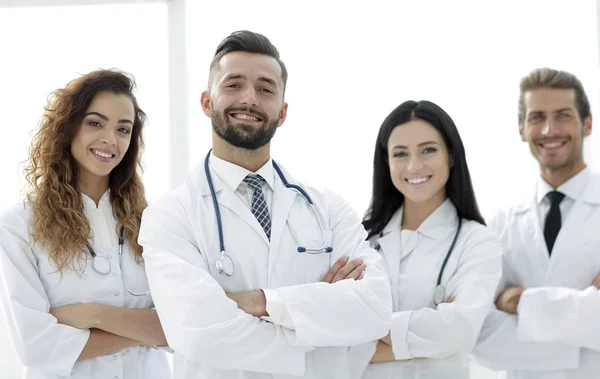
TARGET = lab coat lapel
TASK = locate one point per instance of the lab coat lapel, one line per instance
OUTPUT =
(390, 244)
(228, 199)
(533, 236)
(283, 199)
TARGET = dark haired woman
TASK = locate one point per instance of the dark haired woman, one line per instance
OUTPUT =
(444, 265)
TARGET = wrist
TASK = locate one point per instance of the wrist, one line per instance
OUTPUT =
(261, 303)
(97, 315)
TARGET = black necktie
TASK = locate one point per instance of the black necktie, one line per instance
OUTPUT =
(553, 219)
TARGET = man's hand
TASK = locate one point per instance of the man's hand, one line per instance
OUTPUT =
(342, 269)
(596, 282)
(508, 301)
(80, 316)
(251, 302)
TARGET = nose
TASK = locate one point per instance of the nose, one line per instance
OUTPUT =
(249, 97)
(109, 137)
(550, 128)
(414, 164)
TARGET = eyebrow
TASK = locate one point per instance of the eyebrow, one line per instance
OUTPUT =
(122, 121)
(240, 76)
(419, 145)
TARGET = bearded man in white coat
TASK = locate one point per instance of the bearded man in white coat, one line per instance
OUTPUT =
(546, 325)
(249, 279)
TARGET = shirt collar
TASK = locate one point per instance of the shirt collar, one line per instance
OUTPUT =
(572, 188)
(232, 175)
(90, 204)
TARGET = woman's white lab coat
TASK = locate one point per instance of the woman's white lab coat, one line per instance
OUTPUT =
(211, 337)
(430, 341)
(556, 333)
(30, 285)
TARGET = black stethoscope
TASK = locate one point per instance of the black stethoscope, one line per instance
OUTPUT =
(225, 265)
(440, 291)
(102, 266)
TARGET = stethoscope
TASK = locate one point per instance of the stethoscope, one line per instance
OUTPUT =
(440, 291)
(102, 266)
(225, 265)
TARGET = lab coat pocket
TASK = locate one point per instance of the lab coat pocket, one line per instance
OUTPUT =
(310, 267)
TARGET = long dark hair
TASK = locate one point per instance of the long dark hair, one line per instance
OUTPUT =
(387, 199)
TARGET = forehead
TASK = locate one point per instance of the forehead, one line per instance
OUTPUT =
(112, 104)
(549, 99)
(413, 133)
(252, 66)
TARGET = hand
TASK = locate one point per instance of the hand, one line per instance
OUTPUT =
(384, 353)
(342, 269)
(508, 301)
(80, 316)
(596, 282)
(251, 302)
(450, 300)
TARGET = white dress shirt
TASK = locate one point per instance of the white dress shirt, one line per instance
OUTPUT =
(233, 176)
(30, 285)
(571, 189)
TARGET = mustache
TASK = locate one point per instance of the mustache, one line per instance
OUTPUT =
(250, 110)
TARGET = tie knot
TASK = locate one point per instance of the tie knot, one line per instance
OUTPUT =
(555, 197)
(254, 181)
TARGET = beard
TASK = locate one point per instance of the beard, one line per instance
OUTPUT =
(245, 136)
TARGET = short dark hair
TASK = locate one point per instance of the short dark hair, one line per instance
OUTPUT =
(248, 42)
(386, 199)
(550, 78)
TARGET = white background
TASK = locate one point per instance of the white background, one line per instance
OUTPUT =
(350, 63)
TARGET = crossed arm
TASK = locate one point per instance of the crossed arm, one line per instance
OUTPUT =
(111, 328)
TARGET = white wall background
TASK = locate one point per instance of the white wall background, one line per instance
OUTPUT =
(350, 64)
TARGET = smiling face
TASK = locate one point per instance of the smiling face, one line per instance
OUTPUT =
(245, 102)
(554, 130)
(419, 163)
(104, 136)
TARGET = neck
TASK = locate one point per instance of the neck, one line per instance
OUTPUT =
(251, 160)
(415, 213)
(93, 187)
(557, 177)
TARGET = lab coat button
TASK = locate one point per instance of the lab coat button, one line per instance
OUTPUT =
(115, 358)
(109, 256)
(116, 294)
(114, 274)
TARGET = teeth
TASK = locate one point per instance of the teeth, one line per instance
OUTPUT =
(418, 180)
(101, 154)
(244, 117)
(552, 144)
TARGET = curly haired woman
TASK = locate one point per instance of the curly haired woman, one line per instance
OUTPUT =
(72, 281)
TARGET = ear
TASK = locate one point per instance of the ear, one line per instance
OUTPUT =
(282, 114)
(522, 131)
(587, 126)
(206, 104)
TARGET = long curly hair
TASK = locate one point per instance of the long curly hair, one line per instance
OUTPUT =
(58, 223)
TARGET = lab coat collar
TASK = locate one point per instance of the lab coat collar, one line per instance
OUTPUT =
(435, 226)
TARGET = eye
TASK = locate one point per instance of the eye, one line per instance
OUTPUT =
(94, 123)
(429, 150)
(564, 116)
(534, 118)
(124, 130)
(267, 90)
(399, 154)
(233, 85)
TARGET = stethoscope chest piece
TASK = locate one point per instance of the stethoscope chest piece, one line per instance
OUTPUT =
(225, 265)
(101, 265)
(439, 294)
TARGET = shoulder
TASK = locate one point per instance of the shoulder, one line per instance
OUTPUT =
(479, 236)
(16, 215)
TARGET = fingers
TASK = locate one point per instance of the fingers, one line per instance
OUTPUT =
(450, 299)
(357, 272)
(347, 269)
(596, 282)
(335, 268)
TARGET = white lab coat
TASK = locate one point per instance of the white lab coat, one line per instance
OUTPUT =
(30, 285)
(429, 341)
(211, 337)
(556, 333)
